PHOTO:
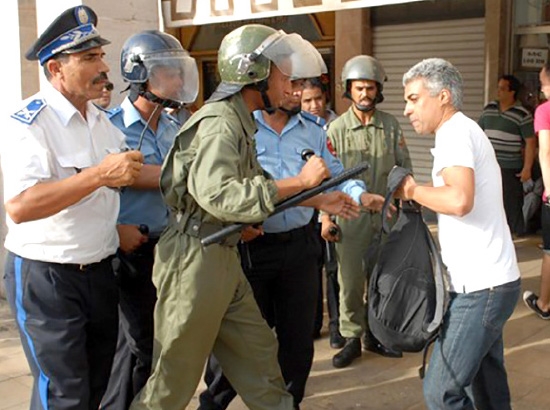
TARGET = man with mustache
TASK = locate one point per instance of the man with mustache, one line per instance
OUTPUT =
(62, 164)
(362, 133)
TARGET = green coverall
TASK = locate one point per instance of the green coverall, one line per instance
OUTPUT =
(381, 143)
(211, 178)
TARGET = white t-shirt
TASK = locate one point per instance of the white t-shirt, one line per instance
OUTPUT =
(49, 140)
(477, 248)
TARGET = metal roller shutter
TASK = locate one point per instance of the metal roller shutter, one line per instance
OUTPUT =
(398, 47)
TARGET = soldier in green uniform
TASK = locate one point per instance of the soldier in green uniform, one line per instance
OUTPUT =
(362, 133)
(211, 178)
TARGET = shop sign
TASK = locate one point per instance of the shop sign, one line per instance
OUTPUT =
(534, 57)
(178, 13)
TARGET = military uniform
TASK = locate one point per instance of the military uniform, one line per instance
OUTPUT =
(381, 143)
(211, 178)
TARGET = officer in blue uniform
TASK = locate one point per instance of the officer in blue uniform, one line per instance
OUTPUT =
(61, 161)
(281, 262)
(161, 75)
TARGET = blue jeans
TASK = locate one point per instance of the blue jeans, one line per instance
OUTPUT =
(469, 352)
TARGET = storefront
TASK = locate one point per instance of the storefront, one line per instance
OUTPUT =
(529, 51)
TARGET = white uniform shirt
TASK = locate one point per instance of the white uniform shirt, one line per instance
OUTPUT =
(55, 143)
(477, 248)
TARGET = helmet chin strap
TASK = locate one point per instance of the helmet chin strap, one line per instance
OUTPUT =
(365, 108)
(262, 87)
(137, 90)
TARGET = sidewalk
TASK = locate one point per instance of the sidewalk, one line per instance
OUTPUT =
(373, 382)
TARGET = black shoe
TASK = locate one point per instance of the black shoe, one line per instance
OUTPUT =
(337, 341)
(530, 300)
(371, 344)
(350, 352)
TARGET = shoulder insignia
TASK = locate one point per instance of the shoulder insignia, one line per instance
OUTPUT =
(313, 118)
(28, 114)
(113, 111)
(331, 148)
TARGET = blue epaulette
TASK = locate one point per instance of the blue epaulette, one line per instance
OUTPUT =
(28, 114)
(313, 118)
(114, 111)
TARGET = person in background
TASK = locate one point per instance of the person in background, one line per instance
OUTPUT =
(62, 166)
(105, 100)
(314, 101)
(209, 179)
(161, 74)
(362, 133)
(509, 127)
(540, 304)
(466, 368)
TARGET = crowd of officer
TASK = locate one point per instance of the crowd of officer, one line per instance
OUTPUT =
(118, 302)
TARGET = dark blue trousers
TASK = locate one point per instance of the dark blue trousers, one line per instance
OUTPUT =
(67, 319)
(134, 353)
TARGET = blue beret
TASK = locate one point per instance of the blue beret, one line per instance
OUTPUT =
(72, 32)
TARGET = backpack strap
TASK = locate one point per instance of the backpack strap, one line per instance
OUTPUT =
(395, 178)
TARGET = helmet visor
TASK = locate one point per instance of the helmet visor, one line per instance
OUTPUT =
(293, 56)
(173, 75)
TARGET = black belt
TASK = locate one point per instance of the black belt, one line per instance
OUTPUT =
(300, 233)
(196, 228)
(84, 267)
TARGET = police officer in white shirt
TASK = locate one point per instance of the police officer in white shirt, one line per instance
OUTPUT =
(62, 162)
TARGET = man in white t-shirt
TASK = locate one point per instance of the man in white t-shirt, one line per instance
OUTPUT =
(476, 244)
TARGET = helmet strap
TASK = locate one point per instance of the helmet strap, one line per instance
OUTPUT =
(262, 87)
(140, 90)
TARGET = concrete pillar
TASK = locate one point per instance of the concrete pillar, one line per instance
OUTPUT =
(353, 36)
(497, 40)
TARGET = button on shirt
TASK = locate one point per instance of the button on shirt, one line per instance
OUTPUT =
(56, 145)
(280, 156)
(145, 206)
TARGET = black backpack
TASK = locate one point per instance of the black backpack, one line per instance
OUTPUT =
(406, 296)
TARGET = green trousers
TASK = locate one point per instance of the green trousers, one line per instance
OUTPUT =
(205, 305)
(353, 267)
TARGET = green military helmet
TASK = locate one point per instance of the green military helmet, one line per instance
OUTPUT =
(363, 67)
(237, 62)
(246, 54)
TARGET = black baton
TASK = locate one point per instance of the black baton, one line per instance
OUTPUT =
(290, 202)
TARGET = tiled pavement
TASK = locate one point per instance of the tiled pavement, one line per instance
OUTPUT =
(372, 382)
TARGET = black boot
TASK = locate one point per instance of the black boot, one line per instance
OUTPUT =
(372, 344)
(350, 352)
(337, 341)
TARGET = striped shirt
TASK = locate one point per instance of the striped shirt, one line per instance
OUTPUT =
(507, 131)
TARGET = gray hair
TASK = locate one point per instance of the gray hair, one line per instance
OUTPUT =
(438, 74)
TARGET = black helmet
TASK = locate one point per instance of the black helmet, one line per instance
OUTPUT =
(159, 60)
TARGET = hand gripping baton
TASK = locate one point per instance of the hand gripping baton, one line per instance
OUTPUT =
(291, 201)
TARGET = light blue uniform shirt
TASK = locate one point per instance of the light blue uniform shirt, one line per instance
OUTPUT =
(144, 206)
(280, 155)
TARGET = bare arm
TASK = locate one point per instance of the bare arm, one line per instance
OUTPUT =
(48, 198)
(455, 197)
(149, 177)
(311, 175)
(529, 158)
(544, 157)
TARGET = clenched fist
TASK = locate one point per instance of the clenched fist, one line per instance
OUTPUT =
(314, 172)
(117, 170)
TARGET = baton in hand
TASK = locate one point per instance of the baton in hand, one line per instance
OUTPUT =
(291, 201)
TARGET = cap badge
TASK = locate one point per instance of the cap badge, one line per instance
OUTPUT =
(82, 15)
